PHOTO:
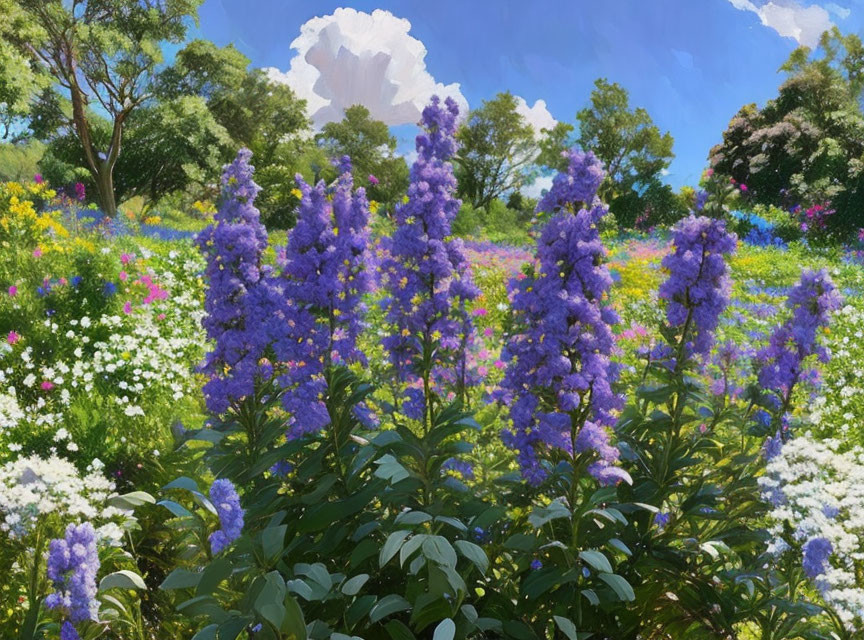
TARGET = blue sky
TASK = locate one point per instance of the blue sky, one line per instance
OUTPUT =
(690, 63)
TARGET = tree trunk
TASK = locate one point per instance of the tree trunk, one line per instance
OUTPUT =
(104, 179)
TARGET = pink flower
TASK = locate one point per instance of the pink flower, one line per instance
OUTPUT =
(488, 332)
(13, 290)
(483, 371)
(860, 239)
(38, 179)
(372, 179)
(63, 282)
(499, 364)
(47, 386)
(161, 316)
(479, 312)
(125, 258)
(709, 172)
(13, 337)
(37, 252)
(743, 187)
(127, 308)
(123, 276)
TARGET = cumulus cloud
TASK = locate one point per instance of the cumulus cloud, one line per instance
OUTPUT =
(790, 18)
(352, 57)
(537, 116)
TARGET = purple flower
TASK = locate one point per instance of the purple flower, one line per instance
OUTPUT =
(67, 632)
(224, 497)
(817, 551)
(238, 319)
(697, 290)
(558, 382)
(661, 520)
(72, 565)
(536, 565)
(782, 362)
(326, 271)
(427, 275)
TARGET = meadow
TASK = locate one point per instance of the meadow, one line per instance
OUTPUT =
(403, 434)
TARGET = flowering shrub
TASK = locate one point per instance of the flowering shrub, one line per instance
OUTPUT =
(605, 435)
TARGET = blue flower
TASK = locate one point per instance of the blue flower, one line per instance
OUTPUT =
(224, 497)
(817, 551)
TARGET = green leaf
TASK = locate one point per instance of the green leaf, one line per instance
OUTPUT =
(567, 627)
(177, 509)
(122, 579)
(272, 541)
(596, 560)
(623, 548)
(619, 585)
(207, 633)
(445, 630)
(388, 605)
(131, 500)
(394, 541)
(399, 630)
(474, 553)
(412, 517)
(542, 515)
(591, 596)
(180, 579)
(295, 624)
(352, 586)
(439, 549)
(213, 575)
(183, 483)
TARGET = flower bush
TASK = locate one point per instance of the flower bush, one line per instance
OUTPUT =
(356, 436)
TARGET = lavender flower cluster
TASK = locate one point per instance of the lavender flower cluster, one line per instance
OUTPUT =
(327, 270)
(427, 274)
(72, 565)
(559, 378)
(224, 497)
(697, 290)
(234, 247)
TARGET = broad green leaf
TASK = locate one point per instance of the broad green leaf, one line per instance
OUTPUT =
(391, 546)
(122, 579)
(445, 630)
(567, 627)
(596, 560)
(388, 605)
(352, 586)
(619, 585)
(180, 579)
(474, 553)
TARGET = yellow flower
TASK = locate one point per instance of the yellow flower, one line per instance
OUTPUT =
(296, 193)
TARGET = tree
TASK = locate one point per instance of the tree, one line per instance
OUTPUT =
(372, 150)
(806, 146)
(100, 54)
(497, 152)
(18, 81)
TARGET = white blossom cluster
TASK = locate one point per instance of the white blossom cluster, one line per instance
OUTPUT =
(122, 358)
(35, 488)
(818, 489)
(840, 405)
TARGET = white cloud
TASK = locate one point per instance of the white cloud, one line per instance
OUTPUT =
(537, 116)
(837, 10)
(790, 18)
(352, 57)
(536, 188)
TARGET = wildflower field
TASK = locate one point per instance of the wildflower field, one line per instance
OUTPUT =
(402, 434)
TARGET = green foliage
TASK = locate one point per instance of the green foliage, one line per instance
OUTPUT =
(631, 147)
(372, 151)
(804, 146)
(100, 52)
(497, 151)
